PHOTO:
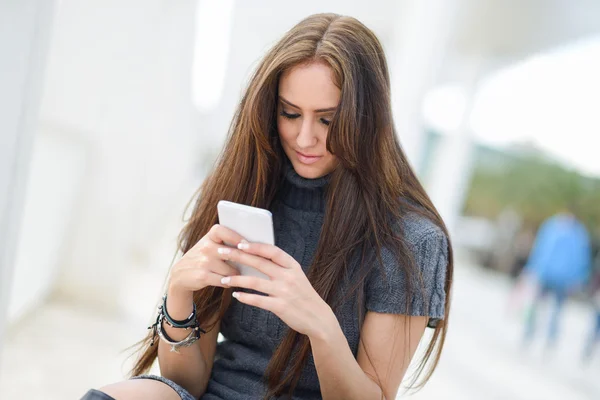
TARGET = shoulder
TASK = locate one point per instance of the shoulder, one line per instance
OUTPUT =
(414, 283)
(417, 229)
(425, 241)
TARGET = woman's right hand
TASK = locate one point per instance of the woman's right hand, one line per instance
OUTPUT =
(201, 266)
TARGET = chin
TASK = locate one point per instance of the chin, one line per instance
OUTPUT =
(308, 171)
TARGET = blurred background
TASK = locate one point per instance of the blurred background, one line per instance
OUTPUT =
(112, 112)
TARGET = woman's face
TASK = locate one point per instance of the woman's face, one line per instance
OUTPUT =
(308, 99)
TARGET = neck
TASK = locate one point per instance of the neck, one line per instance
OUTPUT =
(302, 193)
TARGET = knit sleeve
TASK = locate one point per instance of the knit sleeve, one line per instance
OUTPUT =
(387, 288)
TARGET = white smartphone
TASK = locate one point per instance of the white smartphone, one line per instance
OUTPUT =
(252, 223)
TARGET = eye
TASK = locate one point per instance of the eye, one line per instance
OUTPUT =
(325, 122)
(289, 116)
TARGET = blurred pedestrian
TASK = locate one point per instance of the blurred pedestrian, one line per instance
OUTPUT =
(521, 249)
(594, 337)
(560, 264)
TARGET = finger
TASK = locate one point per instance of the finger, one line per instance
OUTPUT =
(269, 252)
(211, 257)
(223, 268)
(257, 300)
(207, 258)
(201, 277)
(263, 265)
(221, 235)
(249, 282)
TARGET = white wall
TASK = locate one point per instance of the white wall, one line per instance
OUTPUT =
(118, 80)
(24, 32)
(53, 186)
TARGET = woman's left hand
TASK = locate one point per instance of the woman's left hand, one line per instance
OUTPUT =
(290, 295)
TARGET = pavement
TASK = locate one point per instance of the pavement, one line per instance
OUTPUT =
(484, 356)
(64, 349)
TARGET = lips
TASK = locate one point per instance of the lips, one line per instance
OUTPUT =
(307, 155)
(306, 158)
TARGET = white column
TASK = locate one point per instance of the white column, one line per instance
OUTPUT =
(451, 164)
(25, 28)
(419, 46)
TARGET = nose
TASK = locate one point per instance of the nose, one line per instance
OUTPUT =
(307, 136)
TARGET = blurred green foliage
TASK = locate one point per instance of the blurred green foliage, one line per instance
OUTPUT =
(531, 184)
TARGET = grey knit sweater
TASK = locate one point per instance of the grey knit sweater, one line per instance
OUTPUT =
(252, 334)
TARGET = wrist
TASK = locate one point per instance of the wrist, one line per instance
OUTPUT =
(326, 327)
(180, 294)
(179, 304)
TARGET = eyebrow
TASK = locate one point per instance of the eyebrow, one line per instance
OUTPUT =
(320, 110)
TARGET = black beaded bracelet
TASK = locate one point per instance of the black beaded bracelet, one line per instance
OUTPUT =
(189, 322)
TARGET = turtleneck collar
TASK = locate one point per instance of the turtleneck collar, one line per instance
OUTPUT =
(302, 193)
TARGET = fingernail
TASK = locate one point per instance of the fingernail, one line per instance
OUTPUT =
(235, 294)
(225, 280)
(224, 250)
(244, 246)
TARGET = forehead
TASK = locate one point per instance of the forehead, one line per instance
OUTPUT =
(310, 86)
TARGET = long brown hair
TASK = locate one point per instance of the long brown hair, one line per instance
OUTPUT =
(372, 185)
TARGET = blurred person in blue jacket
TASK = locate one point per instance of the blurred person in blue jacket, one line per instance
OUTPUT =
(560, 264)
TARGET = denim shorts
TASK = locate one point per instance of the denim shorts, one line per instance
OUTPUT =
(94, 394)
(184, 394)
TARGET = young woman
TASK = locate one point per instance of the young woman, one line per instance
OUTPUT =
(362, 264)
